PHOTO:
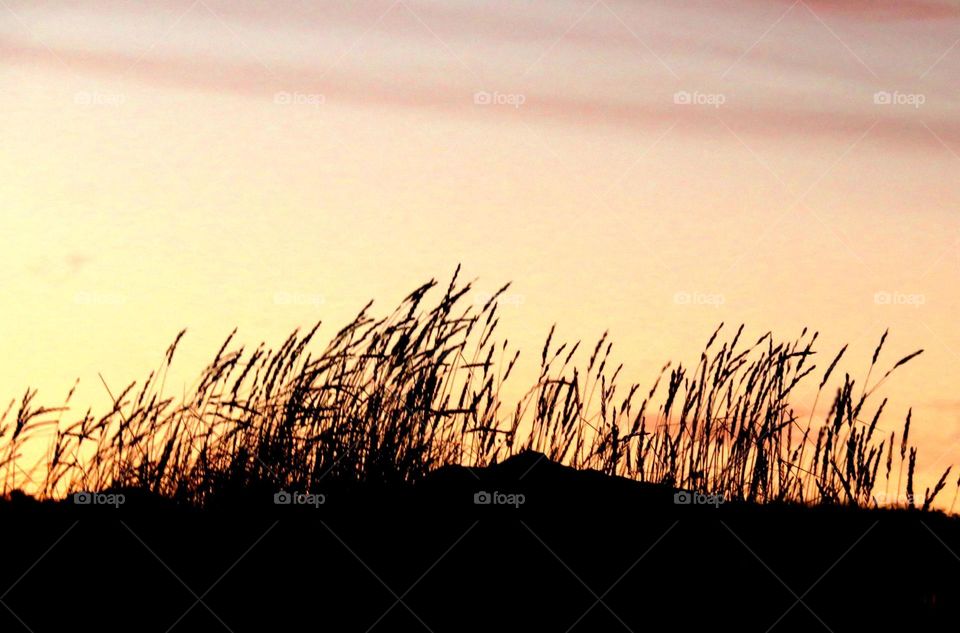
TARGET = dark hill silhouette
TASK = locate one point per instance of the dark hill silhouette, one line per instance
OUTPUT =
(537, 565)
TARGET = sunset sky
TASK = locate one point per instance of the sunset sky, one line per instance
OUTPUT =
(651, 168)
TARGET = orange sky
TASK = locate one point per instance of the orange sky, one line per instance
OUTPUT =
(641, 167)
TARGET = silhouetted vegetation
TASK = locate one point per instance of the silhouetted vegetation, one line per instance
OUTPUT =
(388, 400)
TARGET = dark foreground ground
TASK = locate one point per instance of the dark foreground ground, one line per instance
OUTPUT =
(581, 553)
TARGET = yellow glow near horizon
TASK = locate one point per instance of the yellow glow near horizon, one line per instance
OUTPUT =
(171, 168)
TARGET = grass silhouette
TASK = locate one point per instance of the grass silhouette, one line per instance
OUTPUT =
(388, 400)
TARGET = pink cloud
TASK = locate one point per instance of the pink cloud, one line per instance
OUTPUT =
(886, 9)
(253, 80)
